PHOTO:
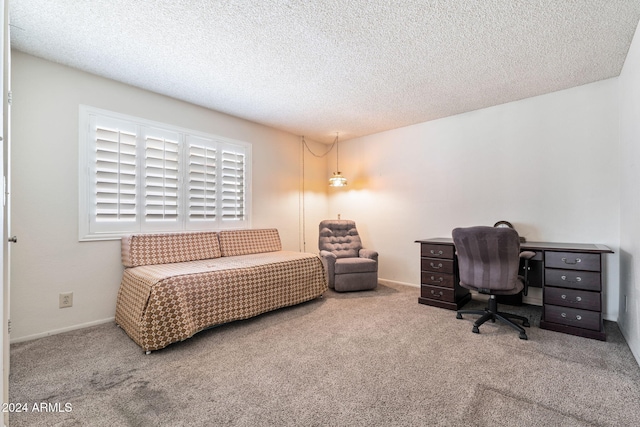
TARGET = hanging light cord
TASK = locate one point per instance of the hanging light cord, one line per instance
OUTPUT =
(337, 151)
(301, 195)
(335, 141)
(301, 219)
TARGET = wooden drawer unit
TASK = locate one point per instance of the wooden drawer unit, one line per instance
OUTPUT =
(572, 317)
(572, 296)
(437, 265)
(588, 280)
(439, 283)
(437, 251)
(437, 279)
(434, 292)
(572, 261)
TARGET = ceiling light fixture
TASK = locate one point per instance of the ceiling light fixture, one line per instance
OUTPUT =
(337, 180)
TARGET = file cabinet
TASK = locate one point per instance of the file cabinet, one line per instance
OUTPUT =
(439, 282)
(572, 294)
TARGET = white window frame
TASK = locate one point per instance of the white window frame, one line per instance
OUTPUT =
(168, 185)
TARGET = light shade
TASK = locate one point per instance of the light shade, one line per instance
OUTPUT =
(337, 180)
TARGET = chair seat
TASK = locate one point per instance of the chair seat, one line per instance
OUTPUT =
(355, 265)
(518, 286)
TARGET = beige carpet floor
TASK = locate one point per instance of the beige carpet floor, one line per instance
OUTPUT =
(373, 358)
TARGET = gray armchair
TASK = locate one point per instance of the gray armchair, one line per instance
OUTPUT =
(348, 265)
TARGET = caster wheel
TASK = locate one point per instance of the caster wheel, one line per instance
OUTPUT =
(458, 316)
(475, 330)
(526, 324)
(523, 336)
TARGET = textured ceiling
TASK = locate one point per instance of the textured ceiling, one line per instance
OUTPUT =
(315, 68)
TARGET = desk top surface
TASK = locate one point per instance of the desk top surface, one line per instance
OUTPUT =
(540, 246)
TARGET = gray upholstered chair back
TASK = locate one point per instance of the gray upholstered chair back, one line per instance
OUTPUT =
(339, 237)
(488, 257)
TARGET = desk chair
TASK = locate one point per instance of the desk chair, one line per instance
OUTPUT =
(348, 265)
(488, 262)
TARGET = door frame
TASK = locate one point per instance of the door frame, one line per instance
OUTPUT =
(5, 71)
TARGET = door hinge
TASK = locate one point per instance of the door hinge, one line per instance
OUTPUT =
(9, 97)
(9, 326)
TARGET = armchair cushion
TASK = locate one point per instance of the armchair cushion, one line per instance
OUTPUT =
(355, 265)
(340, 237)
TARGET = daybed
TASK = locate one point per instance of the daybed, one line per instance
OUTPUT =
(177, 284)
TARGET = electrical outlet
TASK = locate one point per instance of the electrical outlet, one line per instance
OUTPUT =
(66, 299)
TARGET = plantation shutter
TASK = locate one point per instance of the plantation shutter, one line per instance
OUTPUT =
(138, 176)
(202, 180)
(112, 167)
(161, 179)
(233, 183)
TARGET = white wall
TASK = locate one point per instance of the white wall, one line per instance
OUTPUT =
(48, 259)
(629, 81)
(547, 164)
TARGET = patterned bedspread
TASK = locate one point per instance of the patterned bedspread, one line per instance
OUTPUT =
(165, 303)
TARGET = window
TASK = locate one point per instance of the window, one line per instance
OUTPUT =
(138, 176)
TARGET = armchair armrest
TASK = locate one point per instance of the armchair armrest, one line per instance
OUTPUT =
(329, 262)
(329, 255)
(368, 253)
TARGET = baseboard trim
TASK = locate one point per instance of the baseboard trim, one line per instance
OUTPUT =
(61, 330)
(395, 282)
(627, 337)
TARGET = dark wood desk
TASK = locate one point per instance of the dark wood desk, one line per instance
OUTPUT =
(570, 274)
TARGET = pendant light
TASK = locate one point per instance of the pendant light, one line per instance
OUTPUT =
(337, 180)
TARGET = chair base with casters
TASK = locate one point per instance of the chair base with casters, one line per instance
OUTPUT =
(492, 313)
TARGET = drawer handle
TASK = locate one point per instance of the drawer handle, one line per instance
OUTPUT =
(439, 294)
(436, 253)
(578, 260)
(578, 279)
(439, 279)
(436, 266)
(578, 317)
(578, 299)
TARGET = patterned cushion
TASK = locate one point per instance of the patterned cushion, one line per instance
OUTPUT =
(244, 242)
(150, 249)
